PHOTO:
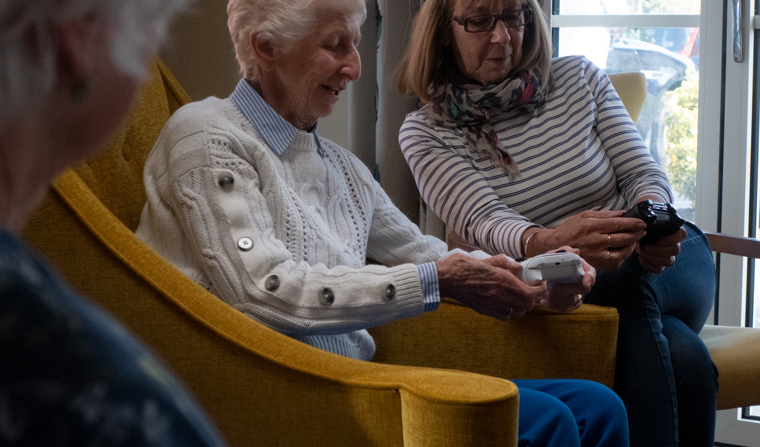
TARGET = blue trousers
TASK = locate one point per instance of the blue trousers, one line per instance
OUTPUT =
(664, 373)
(570, 413)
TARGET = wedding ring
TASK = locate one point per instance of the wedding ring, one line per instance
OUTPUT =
(672, 260)
(609, 240)
(608, 256)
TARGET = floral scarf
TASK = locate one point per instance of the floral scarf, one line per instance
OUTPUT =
(471, 106)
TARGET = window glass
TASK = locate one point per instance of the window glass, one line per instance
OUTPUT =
(628, 6)
(669, 59)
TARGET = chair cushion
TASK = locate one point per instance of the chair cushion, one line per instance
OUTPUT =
(736, 353)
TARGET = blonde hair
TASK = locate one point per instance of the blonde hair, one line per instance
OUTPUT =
(281, 22)
(428, 62)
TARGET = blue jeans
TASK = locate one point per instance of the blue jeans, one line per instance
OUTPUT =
(664, 373)
(570, 413)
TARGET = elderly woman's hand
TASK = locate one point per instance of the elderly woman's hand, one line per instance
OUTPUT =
(567, 297)
(605, 238)
(655, 257)
(489, 286)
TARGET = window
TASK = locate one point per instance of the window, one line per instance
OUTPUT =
(659, 38)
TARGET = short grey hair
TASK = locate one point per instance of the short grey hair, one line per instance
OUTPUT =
(281, 22)
(28, 42)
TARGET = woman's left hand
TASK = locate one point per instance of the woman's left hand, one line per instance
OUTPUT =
(655, 257)
(567, 297)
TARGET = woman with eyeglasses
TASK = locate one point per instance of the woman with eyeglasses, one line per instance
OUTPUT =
(520, 153)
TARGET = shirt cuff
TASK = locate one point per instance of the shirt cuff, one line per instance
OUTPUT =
(431, 294)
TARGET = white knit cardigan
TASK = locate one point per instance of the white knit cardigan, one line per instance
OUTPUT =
(285, 238)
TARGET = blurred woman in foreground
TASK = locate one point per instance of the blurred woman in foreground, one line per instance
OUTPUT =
(70, 375)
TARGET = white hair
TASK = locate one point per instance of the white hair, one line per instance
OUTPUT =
(28, 42)
(281, 22)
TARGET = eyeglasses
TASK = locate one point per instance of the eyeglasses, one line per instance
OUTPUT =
(487, 22)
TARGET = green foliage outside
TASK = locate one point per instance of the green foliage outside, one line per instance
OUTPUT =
(681, 137)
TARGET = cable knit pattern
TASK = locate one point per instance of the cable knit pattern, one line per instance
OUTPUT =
(578, 151)
(313, 215)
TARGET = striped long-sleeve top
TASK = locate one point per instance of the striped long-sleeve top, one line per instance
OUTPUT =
(579, 151)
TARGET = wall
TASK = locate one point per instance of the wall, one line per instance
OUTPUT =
(199, 51)
(201, 56)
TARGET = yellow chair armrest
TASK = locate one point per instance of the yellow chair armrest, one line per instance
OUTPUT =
(543, 344)
(258, 386)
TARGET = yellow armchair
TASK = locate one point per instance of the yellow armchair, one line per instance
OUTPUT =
(262, 388)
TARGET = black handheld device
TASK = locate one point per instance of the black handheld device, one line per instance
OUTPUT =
(661, 219)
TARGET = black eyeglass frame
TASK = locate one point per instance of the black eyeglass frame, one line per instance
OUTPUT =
(526, 10)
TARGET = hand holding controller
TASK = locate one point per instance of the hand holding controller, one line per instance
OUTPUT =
(555, 268)
(661, 219)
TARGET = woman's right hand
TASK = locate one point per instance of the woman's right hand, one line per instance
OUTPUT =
(605, 238)
(489, 286)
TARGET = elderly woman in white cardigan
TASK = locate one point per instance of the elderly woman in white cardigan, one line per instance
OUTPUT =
(248, 200)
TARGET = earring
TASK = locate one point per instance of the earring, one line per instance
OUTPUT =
(79, 90)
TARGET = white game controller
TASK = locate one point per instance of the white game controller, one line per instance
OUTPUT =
(555, 268)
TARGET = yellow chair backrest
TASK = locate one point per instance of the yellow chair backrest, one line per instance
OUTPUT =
(116, 174)
(632, 89)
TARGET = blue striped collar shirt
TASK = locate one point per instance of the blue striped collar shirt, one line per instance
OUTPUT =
(275, 130)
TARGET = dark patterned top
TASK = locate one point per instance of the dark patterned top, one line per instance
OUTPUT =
(71, 376)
